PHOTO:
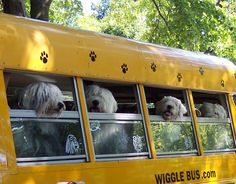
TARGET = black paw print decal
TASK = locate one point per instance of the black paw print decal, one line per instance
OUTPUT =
(179, 77)
(124, 68)
(201, 71)
(153, 67)
(92, 56)
(222, 83)
(44, 57)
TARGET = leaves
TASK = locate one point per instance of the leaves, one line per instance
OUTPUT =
(187, 24)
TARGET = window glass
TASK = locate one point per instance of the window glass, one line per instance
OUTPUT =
(116, 122)
(214, 122)
(44, 117)
(171, 123)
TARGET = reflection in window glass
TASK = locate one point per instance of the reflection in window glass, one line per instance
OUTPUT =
(120, 137)
(42, 138)
(216, 136)
(173, 137)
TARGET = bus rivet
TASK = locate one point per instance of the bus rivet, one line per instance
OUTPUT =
(44, 57)
(92, 56)
(179, 77)
(124, 68)
(153, 67)
(222, 83)
(201, 71)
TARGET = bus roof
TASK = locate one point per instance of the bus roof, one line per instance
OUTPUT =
(33, 45)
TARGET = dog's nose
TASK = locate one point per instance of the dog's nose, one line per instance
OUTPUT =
(169, 107)
(95, 103)
(60, 105)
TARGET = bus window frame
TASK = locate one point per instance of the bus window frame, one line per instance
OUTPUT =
(21, 114)
(119, 116)
(187, 119)
(229, 121)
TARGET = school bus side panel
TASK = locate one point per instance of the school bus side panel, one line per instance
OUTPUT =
(169, 170)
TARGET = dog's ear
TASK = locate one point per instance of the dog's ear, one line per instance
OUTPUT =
(182, 109)
(115, 107)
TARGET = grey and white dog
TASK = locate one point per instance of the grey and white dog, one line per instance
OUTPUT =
(45, 98)
(213, 110)
(170, 108)
(100, 99)
(108, 138)
(41, 138)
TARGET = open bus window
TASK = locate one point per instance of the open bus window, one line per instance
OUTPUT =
(44, 117)
(116, 123)
(214, 121)
(171, 123)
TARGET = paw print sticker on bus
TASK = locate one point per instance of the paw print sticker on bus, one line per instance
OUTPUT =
(153, 67)
(44, 57)
(124, 68)
(179, 77)
(92, 56)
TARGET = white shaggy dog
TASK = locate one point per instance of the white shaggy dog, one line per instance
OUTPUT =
(100, 100)
(108, 138)
(170, 108)
(213, 110)
(45, 98)
(47, 101)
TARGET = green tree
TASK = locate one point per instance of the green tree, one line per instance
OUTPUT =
(203, 26)
(56, 11)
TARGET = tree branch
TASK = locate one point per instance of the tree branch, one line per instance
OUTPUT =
(39, 9)
(160, 14)
(14, 7)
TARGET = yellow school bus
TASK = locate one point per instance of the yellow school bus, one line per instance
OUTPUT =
(133, 144)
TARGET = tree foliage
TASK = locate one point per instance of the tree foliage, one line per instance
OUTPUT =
(193, 25)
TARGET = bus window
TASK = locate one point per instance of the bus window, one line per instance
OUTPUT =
(214, 122)
(116, 122)
(171, 123)
(44, 117)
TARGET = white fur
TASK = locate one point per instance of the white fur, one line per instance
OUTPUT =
(213, 110)
(100, 100)
(47, 101)
(45, 98)
(170, 108)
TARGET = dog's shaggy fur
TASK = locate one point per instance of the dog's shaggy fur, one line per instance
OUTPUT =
(100, 99)
(170, 108)
(213, 110)
(45, 98)
(108, 138)
(47, 101)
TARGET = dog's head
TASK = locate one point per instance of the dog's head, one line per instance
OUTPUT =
(45, 98)
(100, 100)
(170, 108)
(213, 110)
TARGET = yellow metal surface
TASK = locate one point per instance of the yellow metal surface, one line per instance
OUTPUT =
(91, 157)
(160, 171)
(147, 122)
(196, 128)
(39, 46)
